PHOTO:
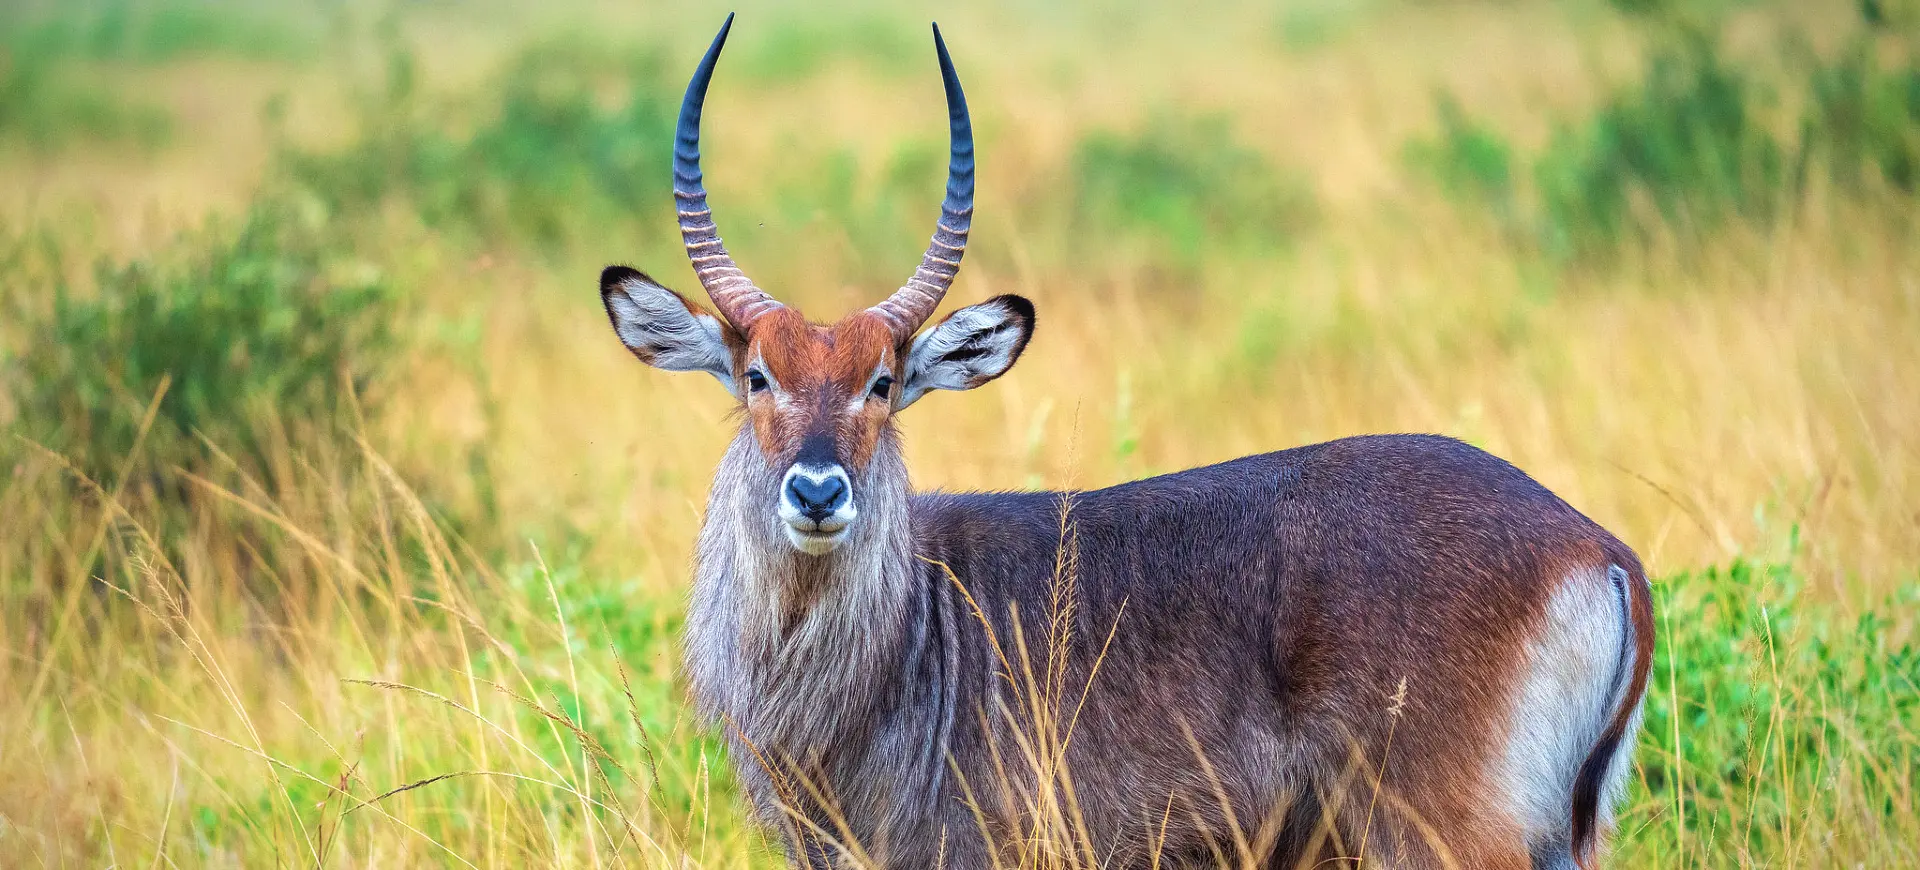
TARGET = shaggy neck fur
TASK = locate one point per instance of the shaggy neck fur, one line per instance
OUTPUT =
(796, 653)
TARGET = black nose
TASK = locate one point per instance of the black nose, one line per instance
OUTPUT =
(818, 499)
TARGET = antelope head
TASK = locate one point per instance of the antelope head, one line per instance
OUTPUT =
(819, 399)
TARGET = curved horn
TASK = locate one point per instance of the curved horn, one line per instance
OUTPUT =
(732, 292)
(915, 301)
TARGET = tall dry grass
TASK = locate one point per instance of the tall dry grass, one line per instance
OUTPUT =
(440, 629)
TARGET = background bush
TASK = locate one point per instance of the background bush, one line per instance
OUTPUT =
(1688, 147)
(267, 319)
(429, 614)
(547, 158)
(1181, 186)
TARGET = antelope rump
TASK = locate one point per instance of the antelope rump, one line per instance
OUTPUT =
(1398, 648)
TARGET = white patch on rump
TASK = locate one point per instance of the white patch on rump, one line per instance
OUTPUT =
(1568, 691)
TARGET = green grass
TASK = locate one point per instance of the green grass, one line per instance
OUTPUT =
(339, 532)
(1760, 706)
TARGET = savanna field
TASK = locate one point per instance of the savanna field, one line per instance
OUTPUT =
(337, 529)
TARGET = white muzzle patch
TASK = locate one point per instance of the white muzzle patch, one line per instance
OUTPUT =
(816, 507)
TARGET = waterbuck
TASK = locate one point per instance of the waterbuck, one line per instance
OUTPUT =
(1397, 648)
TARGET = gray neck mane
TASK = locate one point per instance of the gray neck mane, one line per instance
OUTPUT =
(803, 654)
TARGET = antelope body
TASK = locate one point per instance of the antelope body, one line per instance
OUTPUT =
(1396, 647)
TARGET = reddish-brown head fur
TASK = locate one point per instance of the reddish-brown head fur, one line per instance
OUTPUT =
(818, 399)
(833, 384)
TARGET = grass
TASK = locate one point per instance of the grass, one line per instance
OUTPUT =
(405, 589)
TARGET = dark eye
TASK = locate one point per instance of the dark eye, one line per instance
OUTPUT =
(882, 387)
(755, 380)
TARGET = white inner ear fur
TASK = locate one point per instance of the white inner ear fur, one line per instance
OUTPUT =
(971, 347)
(656, 324)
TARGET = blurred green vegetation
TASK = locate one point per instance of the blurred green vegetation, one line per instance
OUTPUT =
(1681, 151)
(1689, 146)
(270, 319)
(551, 156)
(43, 108)
(57, 57)
(546, 159)
(1470, 161)
(1313, 24)
(871, 218)
(794, 46)
(1181, 187)
(1863, 118)
(290, 315)
(158, 31)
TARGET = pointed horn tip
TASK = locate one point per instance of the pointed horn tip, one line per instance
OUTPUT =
(720, 39)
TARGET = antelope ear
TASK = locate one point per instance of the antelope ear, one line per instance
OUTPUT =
(663, 329)
(971, 347)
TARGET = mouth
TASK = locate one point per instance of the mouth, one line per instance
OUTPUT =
(816, 538)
